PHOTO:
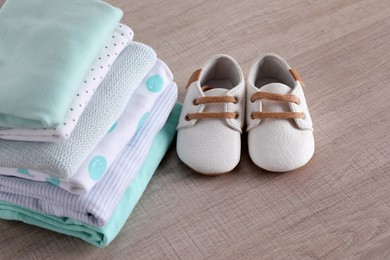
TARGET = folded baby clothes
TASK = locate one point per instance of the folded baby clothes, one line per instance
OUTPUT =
(46, 48)
(93, 168)
(96, 207)
(62, 160)
(114, 45)
(102, 236)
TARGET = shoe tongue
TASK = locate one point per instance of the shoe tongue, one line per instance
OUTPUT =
(278, 88)
(271, 106)
(216, 92)
(215, 107)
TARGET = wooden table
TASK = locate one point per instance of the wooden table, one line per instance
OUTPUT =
(336, 207)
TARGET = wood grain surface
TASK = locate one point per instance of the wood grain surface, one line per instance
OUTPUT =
(336, 207)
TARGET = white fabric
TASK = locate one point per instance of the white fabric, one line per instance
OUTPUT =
(97, 163)
(213, 146)
(116, 43)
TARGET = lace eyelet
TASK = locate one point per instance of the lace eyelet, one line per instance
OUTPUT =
(252, 117)
(236, 116)
(235, 102)
(187, 118)
(194, 102)
(252, 101)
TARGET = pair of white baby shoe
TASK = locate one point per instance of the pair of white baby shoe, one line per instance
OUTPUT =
(218, 104)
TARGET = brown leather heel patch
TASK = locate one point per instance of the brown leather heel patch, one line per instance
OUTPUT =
(194, 77)
(296, 75)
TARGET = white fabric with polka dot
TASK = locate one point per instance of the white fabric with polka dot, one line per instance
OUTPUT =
(116, 43)
(145, 96)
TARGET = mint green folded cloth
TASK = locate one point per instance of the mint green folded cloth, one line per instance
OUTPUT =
(46, 49)
(102, 236)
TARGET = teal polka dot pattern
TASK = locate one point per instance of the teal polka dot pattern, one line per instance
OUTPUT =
(155, 83)
(142, 120)
(97, 167)
(113, 127)
(54, 180)
(23, 171)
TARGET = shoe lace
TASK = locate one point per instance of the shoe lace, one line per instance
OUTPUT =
(213, 100)
(276, 97)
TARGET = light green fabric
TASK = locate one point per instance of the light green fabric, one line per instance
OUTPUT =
(102, 236)
(46, 49)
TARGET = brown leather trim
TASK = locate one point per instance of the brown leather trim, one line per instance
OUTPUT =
(275, 97)
(206, 115)
(296, 75)
(215, 99)
(194, 77)
(277, 115)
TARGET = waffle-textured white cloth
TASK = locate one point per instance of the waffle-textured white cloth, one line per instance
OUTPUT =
(94, 167)
(62, 160)
(115, 44)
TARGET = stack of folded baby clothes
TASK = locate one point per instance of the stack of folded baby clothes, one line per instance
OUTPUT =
(86, 115)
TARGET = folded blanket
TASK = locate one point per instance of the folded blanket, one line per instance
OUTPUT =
(146, 95)
(46, 48)
(96, 207)
(114, 45)
(62, 160)
(102, 236)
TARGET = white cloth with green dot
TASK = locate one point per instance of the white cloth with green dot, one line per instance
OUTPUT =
(115, 44)
(145, 96)
(103, 205)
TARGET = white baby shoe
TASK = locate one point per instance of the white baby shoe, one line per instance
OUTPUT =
(212, 117)
(280, 130)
